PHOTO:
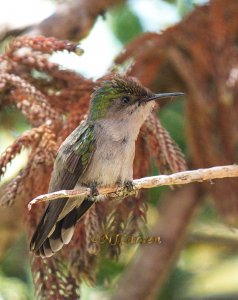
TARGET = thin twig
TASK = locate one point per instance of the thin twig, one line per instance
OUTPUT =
(145, 183)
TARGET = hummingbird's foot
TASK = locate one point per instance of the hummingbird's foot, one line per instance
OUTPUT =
(93, 190)
(129, 185)
(94, 193)
(126, 189)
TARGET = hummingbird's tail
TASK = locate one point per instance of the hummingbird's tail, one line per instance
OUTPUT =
(52, 234)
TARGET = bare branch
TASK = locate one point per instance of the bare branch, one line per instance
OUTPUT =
(73, 19)
(145, 183)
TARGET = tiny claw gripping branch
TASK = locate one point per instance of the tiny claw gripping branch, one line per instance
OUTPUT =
(129, 185)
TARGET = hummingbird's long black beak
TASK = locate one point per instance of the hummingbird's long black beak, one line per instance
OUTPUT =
(162, 96)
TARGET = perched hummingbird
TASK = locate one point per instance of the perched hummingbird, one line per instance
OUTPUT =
(99, 152)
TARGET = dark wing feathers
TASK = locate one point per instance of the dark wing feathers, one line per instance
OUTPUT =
(72, 160)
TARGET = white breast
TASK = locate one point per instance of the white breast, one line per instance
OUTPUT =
(113, 158)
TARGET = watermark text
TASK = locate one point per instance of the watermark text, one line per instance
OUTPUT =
(119, 239)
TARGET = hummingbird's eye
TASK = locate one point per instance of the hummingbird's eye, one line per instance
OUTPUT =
(125, 100)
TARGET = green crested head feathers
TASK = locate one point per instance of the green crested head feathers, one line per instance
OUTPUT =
(110, 90)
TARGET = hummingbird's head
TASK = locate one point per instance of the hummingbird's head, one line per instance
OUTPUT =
(123, 98)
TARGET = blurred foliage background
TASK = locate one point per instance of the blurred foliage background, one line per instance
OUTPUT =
(207, 266)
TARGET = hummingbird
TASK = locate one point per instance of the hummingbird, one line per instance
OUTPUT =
(99, 152)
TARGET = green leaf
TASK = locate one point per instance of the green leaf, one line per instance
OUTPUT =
(124, 23)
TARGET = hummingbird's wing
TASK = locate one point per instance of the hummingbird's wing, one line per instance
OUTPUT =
(72, 160)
